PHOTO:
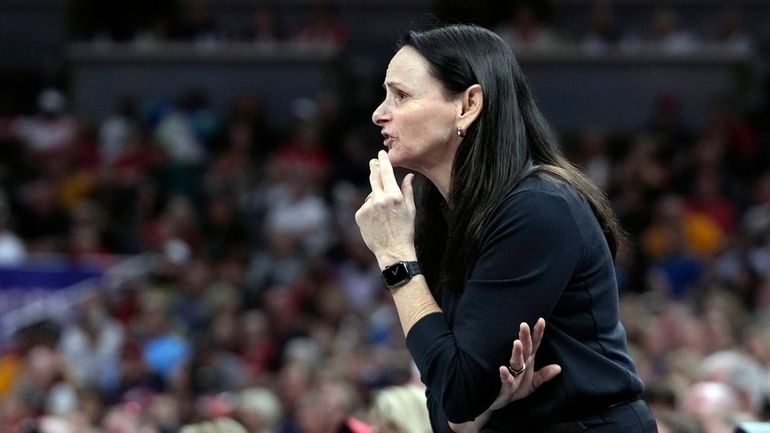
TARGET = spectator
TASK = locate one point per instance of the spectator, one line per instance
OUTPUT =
(91, 345)
(220, 425)
(744, 375)
(400, 409)
(671, 240)
(52, 131)
(259, 410)
(594, 160)
(604, 33)
(43, 222)
(265, 26)
(323, 27)
(12, 248)
(668, 37)
(713, 404)
(677, 423)
(117, 132)
(136, 380)
(526, 31)
(328, 409)
(199, 25)
(257, 346)
(164, 350)
(733, 35)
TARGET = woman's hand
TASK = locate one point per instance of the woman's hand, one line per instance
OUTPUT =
(386, 219)
(520, 385)
(515, 387)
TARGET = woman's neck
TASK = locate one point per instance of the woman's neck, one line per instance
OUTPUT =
(441, 178)
(440, 172)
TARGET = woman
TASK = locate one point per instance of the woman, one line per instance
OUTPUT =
(505, 230)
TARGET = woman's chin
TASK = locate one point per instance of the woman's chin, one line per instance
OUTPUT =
(392, 156)
(399, 160)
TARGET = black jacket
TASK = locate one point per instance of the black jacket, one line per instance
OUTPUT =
(543, 255)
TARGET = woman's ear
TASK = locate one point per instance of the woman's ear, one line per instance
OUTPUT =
(472, 103)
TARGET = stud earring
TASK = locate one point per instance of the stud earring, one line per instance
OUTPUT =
(460, 132)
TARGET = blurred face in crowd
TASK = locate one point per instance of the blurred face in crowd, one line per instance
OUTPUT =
(418, 120)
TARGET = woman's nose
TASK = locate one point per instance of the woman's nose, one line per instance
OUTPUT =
(379, 116)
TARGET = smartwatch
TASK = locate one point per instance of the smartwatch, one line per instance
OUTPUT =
(399, 273)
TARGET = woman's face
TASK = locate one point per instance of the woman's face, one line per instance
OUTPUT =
(418, 121)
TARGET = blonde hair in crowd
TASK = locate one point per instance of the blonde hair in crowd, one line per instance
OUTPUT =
(261, 403)
(400, 409)
(219, 425)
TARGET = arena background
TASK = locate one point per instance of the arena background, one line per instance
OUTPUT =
(178, 180)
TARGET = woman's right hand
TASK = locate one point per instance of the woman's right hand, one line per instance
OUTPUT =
(516, 387)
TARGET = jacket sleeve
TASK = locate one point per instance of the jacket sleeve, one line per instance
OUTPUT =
(527, 258)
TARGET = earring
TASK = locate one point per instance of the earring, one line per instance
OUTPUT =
(460, 132)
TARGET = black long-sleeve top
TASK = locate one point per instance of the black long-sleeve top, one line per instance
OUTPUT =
(543, 255)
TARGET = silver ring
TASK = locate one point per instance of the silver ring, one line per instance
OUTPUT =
(516, 373)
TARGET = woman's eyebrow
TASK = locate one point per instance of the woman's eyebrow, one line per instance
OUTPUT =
(387, 84)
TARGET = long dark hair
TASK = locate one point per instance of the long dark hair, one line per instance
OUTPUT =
(508, 141)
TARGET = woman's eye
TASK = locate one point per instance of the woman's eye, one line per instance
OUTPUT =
(400, 96)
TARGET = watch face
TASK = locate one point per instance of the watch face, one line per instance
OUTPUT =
(395, 274)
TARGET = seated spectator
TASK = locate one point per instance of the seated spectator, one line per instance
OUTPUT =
(219, 425)
(745, 377)
(673, 241)
(713, 404)
(733, 34)
(91, 345)
(323, 27)
(259, 410)
(199, 25)
(400, 409)
(117, 132)
(604, 33)
(257, 346)
(164, 413)
(43, 223)
(668, 37)
(677, 423)
(12, 249)
(526, 31)
(709, 200)
(52, 129)
(164, 350)
(265, 26)
(329, 409)
(136, 379)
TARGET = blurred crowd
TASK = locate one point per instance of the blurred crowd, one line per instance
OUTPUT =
(535, 26)
(265, 313)
(524, 24)
(149, 23)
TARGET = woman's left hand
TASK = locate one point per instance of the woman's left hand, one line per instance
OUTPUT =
(517, 386)
(386, 219)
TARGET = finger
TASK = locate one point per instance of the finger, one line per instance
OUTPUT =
(407, 190)
(388, 178)
(506, 378)
(526, 340)
(545, 374)
(537, 334)
(517, 356)
(374, 176)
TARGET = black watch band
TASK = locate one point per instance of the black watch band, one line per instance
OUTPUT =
(399, 273)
